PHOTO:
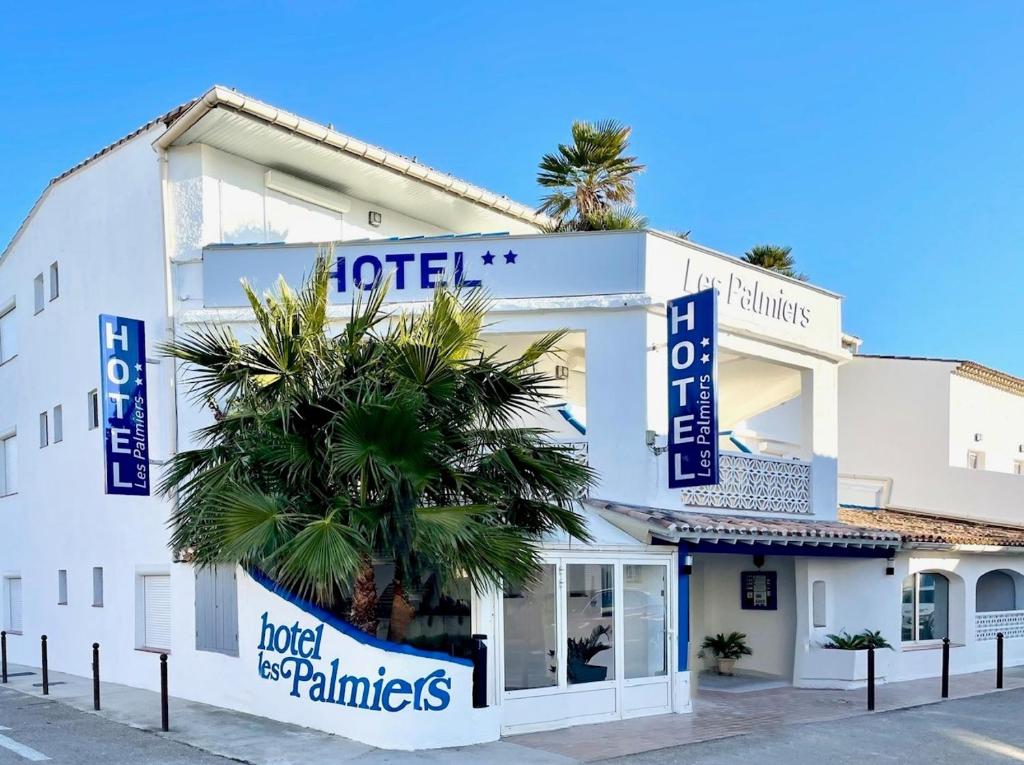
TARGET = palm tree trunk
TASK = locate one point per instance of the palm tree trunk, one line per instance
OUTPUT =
(364, 600)
(402, 613)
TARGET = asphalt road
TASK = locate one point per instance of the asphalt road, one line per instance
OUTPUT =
(37, 730)
(974, 731)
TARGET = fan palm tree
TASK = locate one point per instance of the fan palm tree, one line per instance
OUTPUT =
(591, 176)
(775, 258)
(398, 439)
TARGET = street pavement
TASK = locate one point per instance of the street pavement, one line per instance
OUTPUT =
(977, 730)
(41, 730)
(973, 731)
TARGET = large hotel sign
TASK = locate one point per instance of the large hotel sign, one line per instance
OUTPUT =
(692, 390)
(124, 405)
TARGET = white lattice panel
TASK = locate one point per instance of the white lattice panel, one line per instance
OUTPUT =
(757, 484)
(988, 623)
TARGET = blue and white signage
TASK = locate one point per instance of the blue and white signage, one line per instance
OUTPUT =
(692, 390)
(124, 405)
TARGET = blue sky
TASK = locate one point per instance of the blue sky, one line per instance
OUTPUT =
(883, 141)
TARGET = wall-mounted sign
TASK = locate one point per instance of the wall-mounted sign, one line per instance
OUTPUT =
(692, 390)
(124, 405)
(759, 591)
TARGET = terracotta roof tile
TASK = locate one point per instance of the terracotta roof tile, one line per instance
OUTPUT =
(686, 524)
(935, 529)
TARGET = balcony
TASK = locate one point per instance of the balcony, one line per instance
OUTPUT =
(756, 483)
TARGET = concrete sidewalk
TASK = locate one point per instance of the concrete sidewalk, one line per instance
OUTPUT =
(246, 738)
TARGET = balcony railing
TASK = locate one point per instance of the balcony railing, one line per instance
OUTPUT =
(756, 483)
(988, 623)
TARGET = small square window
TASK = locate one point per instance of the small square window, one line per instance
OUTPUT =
(62, 587)
(58, 424)
(44, 429)
(40, 292)
(93, 405)
(54, 281)
(97, 587)
(976, 460)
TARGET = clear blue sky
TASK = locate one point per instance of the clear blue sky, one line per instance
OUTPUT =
(883, 141)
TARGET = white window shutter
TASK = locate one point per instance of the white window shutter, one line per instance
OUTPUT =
(158, 611)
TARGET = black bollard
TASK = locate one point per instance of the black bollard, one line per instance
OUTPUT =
(164, 712)
(96, 676)
(945, 668)
(999, 660)
(46, 668)
(3, 656)
(871, 678)
(479, 671)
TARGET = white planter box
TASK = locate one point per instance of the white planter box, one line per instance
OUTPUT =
(843, 670)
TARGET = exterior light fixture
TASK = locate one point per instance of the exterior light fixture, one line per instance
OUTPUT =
(759, 560)
(890, 566)
(561, 372)
(687, 564)
(979, 437)
(374, 218)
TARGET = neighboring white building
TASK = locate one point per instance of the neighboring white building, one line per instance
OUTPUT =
(162, 225)
(933, 450)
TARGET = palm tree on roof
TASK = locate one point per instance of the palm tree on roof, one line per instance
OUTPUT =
(591, 179)
(775, 258)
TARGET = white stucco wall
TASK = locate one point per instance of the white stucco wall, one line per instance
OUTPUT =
(103, 226)
(912, 421)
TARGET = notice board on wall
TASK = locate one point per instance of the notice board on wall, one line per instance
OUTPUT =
(759, 591)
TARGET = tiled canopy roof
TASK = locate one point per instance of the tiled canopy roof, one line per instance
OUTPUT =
(680, 525)
(935, 529)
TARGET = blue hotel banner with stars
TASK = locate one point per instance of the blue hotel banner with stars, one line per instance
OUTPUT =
(693, 390)
(124, 405)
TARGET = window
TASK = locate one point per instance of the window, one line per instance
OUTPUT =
(590, 614)
(818, 604)
(996, 591)
(8, 337)
(54, 281)
(93, 407)
(62, 587)
(976, 460)
(644, 621)
(44, 429)
(97, 587)
(531, 642)
(8, 465)
(58, 424)
(925, 607)
(40, 293)
(156, 591)
(12, 604)
(217, 609)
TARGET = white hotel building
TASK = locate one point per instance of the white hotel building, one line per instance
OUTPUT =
(163, 224)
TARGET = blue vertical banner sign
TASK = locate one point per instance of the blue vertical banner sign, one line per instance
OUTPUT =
(124, 405)
(693, 390)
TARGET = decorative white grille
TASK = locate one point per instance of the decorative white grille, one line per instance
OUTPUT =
(756, 483)
(988, 623)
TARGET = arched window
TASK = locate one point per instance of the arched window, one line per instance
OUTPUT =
(925, 607)
(996, 591)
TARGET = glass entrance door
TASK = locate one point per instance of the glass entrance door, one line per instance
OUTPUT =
(589, 640)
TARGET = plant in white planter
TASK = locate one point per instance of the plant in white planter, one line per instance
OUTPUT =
(727, 649)
(844, 641)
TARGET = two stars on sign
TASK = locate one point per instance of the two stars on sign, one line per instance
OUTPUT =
(705, 357)
(488, 258)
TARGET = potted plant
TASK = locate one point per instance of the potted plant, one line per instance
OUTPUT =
(844, 641)
(727, 649)
(582, 650)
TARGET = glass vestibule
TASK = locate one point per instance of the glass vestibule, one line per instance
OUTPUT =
(588, 626)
